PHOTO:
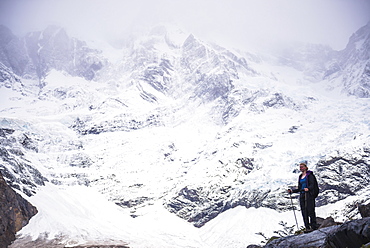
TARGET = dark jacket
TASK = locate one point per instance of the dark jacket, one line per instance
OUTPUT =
(310, 183)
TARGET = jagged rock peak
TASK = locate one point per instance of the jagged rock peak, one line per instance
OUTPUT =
(190, 40)
(355, 63)
(34, 55)
(360, 40)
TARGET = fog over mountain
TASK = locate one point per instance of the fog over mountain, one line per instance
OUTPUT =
(245, 24)
(164, 138)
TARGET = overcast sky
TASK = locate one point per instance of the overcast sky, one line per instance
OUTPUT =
(237, 23)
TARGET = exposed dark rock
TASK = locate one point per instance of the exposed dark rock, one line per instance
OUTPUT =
(17, 170)
(293, 129)
(364, 210)
(322, 223)
(350, 234)
(261, 146)
(351, 170)
(199, 205)
(28, 143)
(15, 213)
(5, 131)
(308, 240)
(120, 123)
(247, 163)
(133, 202)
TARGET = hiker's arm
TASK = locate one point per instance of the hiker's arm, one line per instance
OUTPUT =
(290, 191)
(295, 190)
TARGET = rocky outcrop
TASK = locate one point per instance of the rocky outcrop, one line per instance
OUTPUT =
(8, 79)
(338, 178)
(200, 204)
(309, 240)
(199, 59)
(364, 210)
(342, 176)
(354, 63)
(350, 234)
(14, 164)
(15, 213)
(329, 221)
(34, 55)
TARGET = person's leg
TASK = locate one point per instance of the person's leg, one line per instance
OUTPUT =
(311, 212)
(304, 212)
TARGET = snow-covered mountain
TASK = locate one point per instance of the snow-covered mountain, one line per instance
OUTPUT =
(169, 141)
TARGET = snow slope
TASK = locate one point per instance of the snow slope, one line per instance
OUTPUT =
(122, 160)
(171, 137)
(84, 216)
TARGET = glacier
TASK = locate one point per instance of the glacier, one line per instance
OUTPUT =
(169, 141)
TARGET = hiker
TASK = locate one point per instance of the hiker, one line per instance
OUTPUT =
(307, 187)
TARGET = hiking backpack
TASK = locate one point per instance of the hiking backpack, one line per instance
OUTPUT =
(315, 187)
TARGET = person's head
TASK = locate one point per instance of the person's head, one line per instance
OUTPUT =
(303, 166)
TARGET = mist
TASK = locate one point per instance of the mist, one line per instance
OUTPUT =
(243, 24)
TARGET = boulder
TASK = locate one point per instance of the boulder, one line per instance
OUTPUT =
(364, 210)
(15, 213)
(351, 234)
(307, 240)
(322, 223)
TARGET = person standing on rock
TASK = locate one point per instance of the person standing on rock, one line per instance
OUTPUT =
(308, 191)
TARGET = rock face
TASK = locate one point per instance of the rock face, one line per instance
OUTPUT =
(8, 79)
(342, 176)
(36, 54)
(15, 213)
(356, 63)
(338, 178)
(309, 240)
(14, 164)
(364, 210)
(350, 234)
(352, 64)
(322, 223)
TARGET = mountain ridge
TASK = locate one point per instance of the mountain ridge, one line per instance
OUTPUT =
(195, 128)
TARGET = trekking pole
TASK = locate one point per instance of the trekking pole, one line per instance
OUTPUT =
(305, 206)
(296, 222)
